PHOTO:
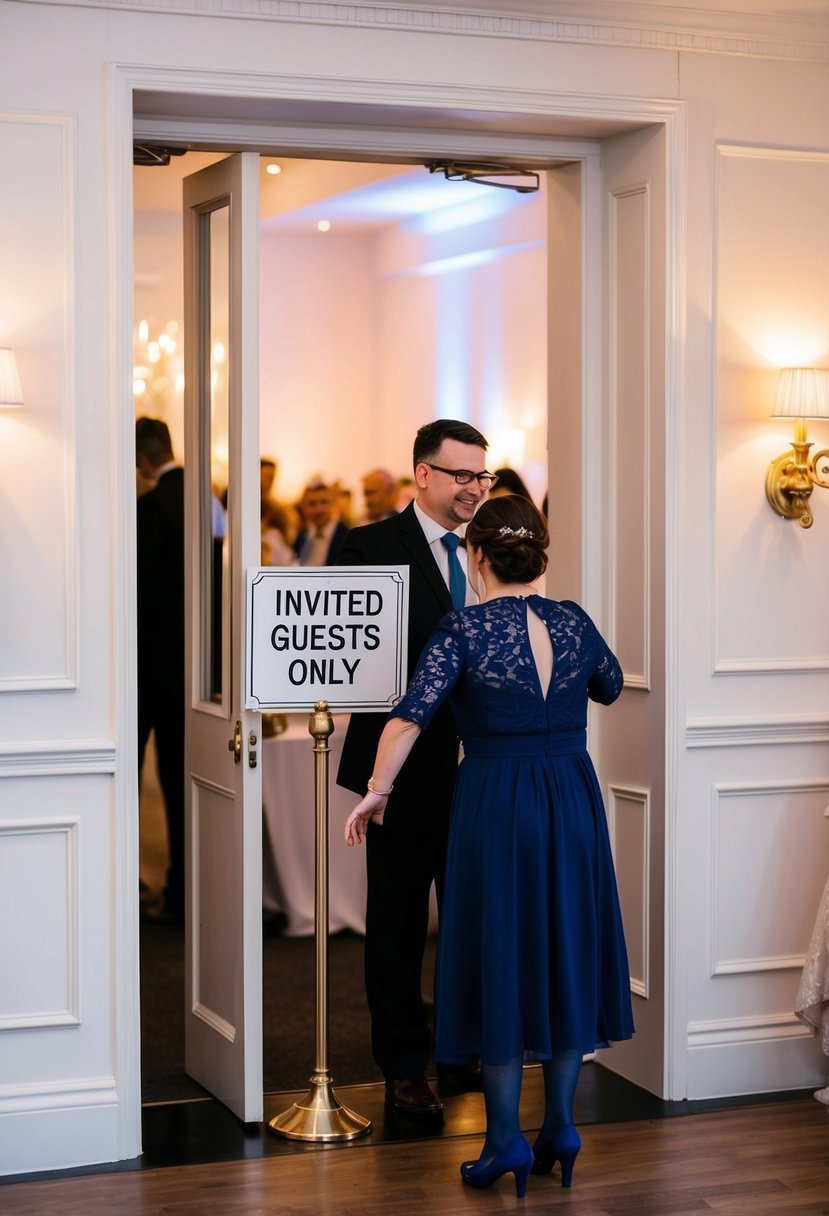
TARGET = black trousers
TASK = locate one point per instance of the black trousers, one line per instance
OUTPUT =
(400, 869)
(164, 715)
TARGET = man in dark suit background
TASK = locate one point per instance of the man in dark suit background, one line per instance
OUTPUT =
(160, 551)
(407, 853)
(322, 534)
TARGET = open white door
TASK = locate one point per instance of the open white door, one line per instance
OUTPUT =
(223, 817)
(628, 741)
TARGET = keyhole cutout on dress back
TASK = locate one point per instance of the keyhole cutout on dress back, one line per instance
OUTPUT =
(541, 645)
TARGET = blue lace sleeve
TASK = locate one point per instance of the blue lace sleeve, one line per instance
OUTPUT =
(606, 680)
(434, 677)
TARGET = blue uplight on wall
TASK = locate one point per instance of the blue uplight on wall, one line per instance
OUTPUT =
(467, 261)
(452, 330)
(476, 207)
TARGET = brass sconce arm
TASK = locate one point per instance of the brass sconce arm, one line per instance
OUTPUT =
(819, 468)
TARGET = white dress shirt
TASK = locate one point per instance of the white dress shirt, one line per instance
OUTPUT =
(434, 533)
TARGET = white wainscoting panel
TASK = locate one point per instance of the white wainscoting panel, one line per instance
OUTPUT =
(629, 823)
(41, 952)
(211, 922)
(38, 609)
(58, 1063)
(769, 861)
(771, 310)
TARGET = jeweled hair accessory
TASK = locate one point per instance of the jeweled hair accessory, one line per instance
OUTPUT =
(524, 533)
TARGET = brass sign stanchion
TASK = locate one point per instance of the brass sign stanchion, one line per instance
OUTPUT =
(320, 1116)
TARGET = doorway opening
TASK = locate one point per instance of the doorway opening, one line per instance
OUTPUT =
(388, 296)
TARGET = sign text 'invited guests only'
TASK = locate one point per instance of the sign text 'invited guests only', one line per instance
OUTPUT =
(327, 633)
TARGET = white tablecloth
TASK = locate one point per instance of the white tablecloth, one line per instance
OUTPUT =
(288, 805)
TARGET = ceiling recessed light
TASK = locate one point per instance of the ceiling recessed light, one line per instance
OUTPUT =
(273, 168)
(324, 225)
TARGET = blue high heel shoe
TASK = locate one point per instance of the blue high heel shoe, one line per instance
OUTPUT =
(516, 1158)
(563, 1145)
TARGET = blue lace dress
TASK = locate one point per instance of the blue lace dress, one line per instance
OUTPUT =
(531, 954)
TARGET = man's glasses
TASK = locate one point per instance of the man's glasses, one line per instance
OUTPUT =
(463, 476)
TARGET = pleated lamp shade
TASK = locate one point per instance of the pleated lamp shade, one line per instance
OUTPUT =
(802, 392)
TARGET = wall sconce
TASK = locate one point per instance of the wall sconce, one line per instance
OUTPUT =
(11, 395)
(802, 392)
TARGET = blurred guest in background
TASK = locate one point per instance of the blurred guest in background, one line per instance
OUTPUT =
(380, 493)
(273, 518)
(160, 554)
(320, 541)
(509, 482)
(406, 493)
(342, 503)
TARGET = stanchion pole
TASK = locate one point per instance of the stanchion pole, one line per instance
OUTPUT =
(320, 1115)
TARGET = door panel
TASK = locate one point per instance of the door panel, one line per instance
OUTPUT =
(628, 740)
(223, 819)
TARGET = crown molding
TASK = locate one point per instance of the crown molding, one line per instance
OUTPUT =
(753, 30)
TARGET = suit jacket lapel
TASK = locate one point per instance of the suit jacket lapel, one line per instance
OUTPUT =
(412, 538)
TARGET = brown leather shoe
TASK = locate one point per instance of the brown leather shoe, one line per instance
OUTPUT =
(412, 1096)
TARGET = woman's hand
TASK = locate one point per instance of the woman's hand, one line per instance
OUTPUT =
(394, 746)
(370, 810)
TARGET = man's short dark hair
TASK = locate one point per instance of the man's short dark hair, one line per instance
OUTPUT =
(152, 440)
(429, 438)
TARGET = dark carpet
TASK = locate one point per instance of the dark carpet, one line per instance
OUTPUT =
(288, 1015)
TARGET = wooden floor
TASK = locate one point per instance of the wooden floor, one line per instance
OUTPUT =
(750, 1161)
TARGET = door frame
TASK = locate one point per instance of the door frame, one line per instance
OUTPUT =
(389, 143)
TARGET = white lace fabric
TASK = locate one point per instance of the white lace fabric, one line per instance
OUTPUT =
(812, 1001)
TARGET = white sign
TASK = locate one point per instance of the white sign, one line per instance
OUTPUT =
(327, 633)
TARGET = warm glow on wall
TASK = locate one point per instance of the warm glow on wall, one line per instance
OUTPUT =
(507, 447)
(796, 349)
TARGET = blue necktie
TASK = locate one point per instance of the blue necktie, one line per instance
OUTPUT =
(457, 578)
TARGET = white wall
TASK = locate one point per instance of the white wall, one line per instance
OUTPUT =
(754, 843)
(749, 847)
(461, 326)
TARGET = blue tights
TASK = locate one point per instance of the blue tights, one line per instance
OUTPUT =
(502, 1096)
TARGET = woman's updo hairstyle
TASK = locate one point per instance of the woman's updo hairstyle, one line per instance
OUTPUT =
(512, 535)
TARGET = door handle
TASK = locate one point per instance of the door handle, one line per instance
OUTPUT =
(235, 744)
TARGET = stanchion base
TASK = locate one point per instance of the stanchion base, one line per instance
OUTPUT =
(319, 1116)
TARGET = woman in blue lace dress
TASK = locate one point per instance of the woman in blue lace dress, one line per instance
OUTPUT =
(531, 956)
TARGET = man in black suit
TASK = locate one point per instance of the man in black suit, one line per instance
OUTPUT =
(407, 853)
(160, 549)
(318, 544)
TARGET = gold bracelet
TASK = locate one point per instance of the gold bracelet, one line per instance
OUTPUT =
(382, 793)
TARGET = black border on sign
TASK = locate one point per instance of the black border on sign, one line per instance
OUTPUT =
(396, 575)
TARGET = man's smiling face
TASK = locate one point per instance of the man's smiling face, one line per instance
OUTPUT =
(439, 494)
